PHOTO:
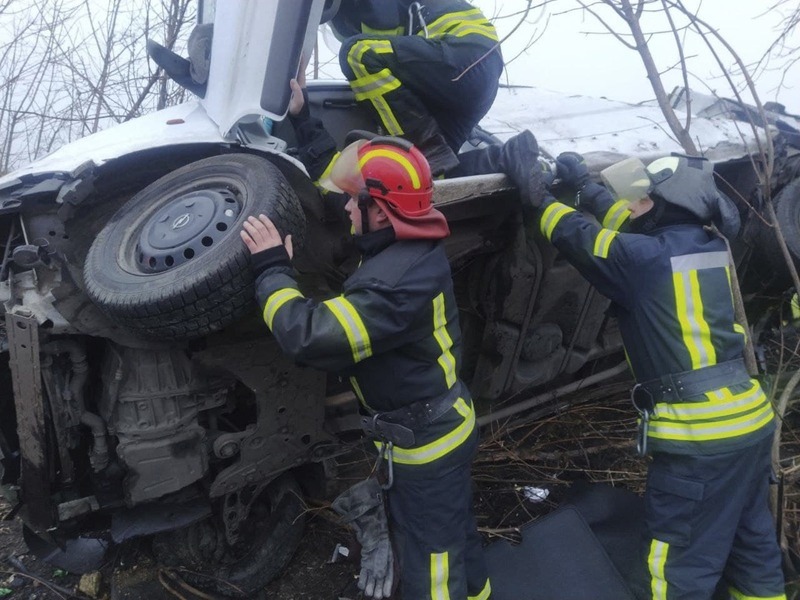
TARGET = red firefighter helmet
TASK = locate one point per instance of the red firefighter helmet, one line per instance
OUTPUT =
(397, 176)
(393, 170)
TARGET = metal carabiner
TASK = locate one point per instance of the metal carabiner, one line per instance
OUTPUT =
(416, 6)
(641, 433)
(386, 452)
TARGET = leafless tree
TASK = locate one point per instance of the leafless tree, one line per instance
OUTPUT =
(73, 67)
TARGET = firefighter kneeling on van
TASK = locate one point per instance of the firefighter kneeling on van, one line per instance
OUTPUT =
(394, 332)
(707, 424)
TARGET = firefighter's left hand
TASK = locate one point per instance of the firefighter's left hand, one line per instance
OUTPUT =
(261, 234)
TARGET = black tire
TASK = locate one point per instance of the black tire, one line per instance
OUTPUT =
(154, 277)
(787, 209)
(775, 277)
(270, 538)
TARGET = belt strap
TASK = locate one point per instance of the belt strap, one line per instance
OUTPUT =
(422, 413)
(674, 387)
(398, 425)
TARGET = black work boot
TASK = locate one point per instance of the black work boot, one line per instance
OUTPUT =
(428, 139)
(519, 159)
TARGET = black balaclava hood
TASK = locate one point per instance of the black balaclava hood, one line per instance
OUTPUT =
(662, 214)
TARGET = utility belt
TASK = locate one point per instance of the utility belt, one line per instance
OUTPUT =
(396, 427)
(680, 387)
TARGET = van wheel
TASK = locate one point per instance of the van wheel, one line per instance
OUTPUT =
(170, 263)
(268, 539)
(787, 209)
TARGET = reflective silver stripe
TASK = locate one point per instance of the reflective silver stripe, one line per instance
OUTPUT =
(461, 24)
(616, 215)
(446, 360)
(694, 328)
(699, 432)
(602, 243)
(551, 216)
(440, 575)
(376, 85)
(441, 446)
(353, 327)
(656, 561)
(356, 53)
(275, 301)
(696, 262)
(727, 406)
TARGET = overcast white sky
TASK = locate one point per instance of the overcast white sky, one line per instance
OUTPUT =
(569, 58)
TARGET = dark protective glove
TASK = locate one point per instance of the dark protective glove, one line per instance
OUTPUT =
(572, 170)
(362, 507)
(519, 160)
(548, 174)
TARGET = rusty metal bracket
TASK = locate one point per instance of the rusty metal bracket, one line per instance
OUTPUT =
(26, 373)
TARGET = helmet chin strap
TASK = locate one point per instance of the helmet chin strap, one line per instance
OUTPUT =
(364, 200)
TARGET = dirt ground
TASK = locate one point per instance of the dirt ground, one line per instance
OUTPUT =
(591, 440)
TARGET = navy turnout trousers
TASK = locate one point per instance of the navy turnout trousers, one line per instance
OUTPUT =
(708, 518)
(433, 525)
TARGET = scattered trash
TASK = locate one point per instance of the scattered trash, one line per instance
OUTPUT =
(5, 592)
(339, 553)
(90, 584)
(60, 573)
(535, 494)
(15, 582)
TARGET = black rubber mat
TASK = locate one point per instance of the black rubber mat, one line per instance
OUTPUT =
(616, 517)
(559, 558)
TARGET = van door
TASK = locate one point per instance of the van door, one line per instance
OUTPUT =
(255, 51)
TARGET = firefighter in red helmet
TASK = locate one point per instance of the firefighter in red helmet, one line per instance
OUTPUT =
(394, 333)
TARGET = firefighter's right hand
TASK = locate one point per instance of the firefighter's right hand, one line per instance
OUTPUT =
(261, 234)
(572, 170)
(297, 101)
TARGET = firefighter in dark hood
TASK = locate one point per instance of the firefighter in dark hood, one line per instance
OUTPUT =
(428, 70)
(704, 420)
(394, 333)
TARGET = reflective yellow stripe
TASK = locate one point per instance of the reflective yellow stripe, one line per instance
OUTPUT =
(602, 243)
(375, 96)
(442, 446)
(374, 86)
(440, 575)
(551, 216)
(472, 20)
(353, 327)
(355, 56)
(275, 301)
(700, 432)
(446, 360)
(484, 593)
(357, 391)
(465, 30)
(737, 595)
(656, 560)
(694, 328)
(369, 30)
(721, 404)
(396, 157)
(616, 215)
